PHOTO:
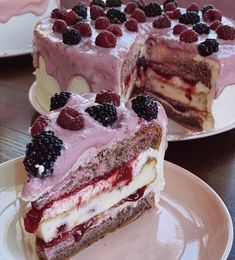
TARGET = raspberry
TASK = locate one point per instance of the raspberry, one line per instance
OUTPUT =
(226, 32)
(59, 26)
(169, 7)
(162, 21)
(113, 3)
(84, 29)
(215, 25)
(208, 47)
(107, 96)
(102, 23)
(41, 153)
(96, 11)
(99, 3)
(130, 8)
(70, 18)
(179, 28)
(152, 10)
(58, 13)
(116, 16)
(59, 100)
(188, 36)
(70, 118)
(212, 15)
(39, 124)
(139, 16)
(131, 25)
(80, 10)
(174, 14)
(145, 106)
(140, 4)
(105, 114)
(189, 18)
(115, 29)
(201, 28)
(193, 8)
(106, 40)
(71, 37)
(206, 8)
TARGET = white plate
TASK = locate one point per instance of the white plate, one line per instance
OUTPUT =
(191, 222)
(223, 110)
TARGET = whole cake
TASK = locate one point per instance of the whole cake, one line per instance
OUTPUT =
(184, 57)
(94, 164)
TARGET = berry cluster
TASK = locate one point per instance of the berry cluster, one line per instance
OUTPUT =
(208, 47)
(189, 18)
(59, 100)
(201, 28)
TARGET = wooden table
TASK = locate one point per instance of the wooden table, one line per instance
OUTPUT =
(212, 158)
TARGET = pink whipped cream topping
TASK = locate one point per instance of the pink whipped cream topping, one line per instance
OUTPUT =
(82, 146)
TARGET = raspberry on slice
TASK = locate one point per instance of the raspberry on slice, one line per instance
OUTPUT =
(115, 29)
(115, 16)
(206, 8)
(59, 100)
(193, 8)
(99, 3)
(108, 96)
(113, 3)
(80, 10)
(71, 18)
(58, 13)
(102, 23)
(130, 8)
(70, 119)
(152, 10)
(59, 26)
(179, 28)
(189, 18)
(174, 14)
(169, 7)
(188, 36)
(162, 21)
(131, 25)
(39, 124)
(215, 25)
(105, 39)
(96, 11)
(212, 15)
(226, 32)
(201, 28)
(139, 16)
(84, 29)
(145, 106)
(71, 37)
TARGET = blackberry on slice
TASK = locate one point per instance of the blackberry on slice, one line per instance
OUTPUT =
(213, 44)
(41, 153)
(100, 3)
(80, 10)
(71, 37)
(59, 100)
(113, 3)
(105, 114)
(116, 16)
(189, 18)
(208, 47)
(201, 28)
(170, 1)
(206, 8)
(139, 4)
(80, 19)
(152, 10)
(145, 106)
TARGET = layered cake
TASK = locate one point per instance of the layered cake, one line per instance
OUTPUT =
(94, 164)
(183, 57)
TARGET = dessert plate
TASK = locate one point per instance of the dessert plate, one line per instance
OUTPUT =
(223, 111)
(191, 222)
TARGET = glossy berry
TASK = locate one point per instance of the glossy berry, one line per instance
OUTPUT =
(59, 100)
(162, 21)
(188, 36)
(71, 18)
(140, 4)
(174, 14)
(170, 1)
(108, 96)
(96, 11)
(80, 10)
(179, 28)
(39, 124)
(113, 3)
(152, 10)
(215, 25)
(71, 119)
(212, 15)
(106, 39)
(58, 13)
(208, 47)
(59, 26)
(169, 7)
(115, 16)
(102, 23)
(145, 106)
(226, 32)
(41, 153)
(115, 30)
(99, 3)
(105, 114)
(71, 36)
(206, 8)
(131, 25)
(139, 15)
(84, 29)
(189, 18)
(201, 28)
(193, 8)
(130, 8)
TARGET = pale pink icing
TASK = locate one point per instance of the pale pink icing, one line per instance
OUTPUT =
(82, 146)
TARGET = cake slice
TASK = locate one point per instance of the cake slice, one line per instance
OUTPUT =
(94, 164)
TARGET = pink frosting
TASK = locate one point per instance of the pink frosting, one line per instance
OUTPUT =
(82, 146)
(11, 8)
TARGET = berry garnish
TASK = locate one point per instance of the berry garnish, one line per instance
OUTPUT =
(189, 18)
(226, 32)
(115, 29)
(58, 13)
(105, 39)
(152, 10)
(140, 3)
(113, 3)
(130, 8)
(139, 15)
(80, 10)
(193, 8)
(70, 118)
(169, 7)
(99, 3)
(84, 29)
(80, 19)
(115, 16)
(96, 11)
(59, 26)
(170, 1)
(174, 14)
(215, 25)
(105, 114)
(39, 124)
(145, 106)
(162, 21)
(41, 153)
(188, 36)
(102, 23)
(179, 28)
(208, 47)
(201, 28)
(212, 15)
(131, 25)
(71, 18)
(206, 8)
(71, 36)
(59, 100)
(108, 96)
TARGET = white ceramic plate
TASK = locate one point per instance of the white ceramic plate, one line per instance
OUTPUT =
(191, 222)
(223, 111)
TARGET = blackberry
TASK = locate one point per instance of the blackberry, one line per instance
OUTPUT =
(105, 114)
(59, 100)
(152, 10)
(113, 3)
(189, 18)
(170, 1)
(201, 28)
(116, 16)
(80, 10)
(145, 106)
(71, 37)
(213, 44)
(100, 3)
(80, 19)
(41, 153)
(139, 4)
(208, 47)
(206, 8)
